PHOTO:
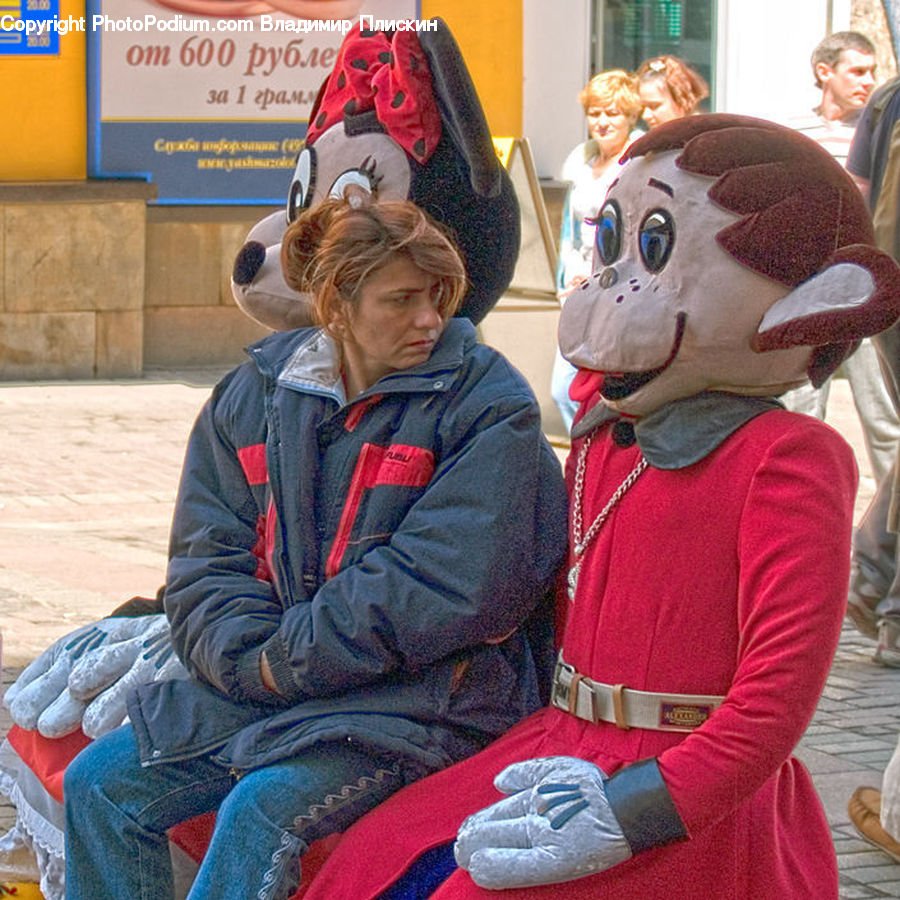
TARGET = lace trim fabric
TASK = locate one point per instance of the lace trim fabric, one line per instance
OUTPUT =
(33, 828)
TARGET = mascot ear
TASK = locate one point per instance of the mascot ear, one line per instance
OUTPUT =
(856, 295)
(461, 110)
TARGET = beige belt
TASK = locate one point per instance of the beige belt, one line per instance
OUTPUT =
(627, 708)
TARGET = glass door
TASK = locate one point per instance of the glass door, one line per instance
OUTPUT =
(627, 32)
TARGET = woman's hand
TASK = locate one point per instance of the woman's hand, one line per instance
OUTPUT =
(265, 673)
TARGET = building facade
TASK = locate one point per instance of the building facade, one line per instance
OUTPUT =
(754, 54)
(97, 278)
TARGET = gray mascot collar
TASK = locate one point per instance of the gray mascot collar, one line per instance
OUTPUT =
(684, 431)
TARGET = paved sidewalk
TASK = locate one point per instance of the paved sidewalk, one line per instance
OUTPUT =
(90, 473)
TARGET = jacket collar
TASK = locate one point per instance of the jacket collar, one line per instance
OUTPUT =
(308, 361)
(684, 431)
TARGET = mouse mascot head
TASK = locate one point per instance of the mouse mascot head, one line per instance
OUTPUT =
(731, 255)
(398, 118)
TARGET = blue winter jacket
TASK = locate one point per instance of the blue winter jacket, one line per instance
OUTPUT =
(393, 556)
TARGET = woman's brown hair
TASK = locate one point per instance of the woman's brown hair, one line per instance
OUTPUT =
(331, 249)
(685, 85)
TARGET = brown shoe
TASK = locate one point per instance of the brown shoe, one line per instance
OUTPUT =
(865, 813)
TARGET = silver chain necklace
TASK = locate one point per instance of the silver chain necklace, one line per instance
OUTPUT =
(582, 542)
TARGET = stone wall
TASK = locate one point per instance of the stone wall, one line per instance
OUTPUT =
(190, 317)
(72, 273)
(94, 283)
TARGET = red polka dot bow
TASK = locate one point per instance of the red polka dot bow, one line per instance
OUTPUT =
(389, 75)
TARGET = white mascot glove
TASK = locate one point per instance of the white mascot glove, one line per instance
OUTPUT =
(43, 681)
(104, 677)
(557, 825)
(84, 678)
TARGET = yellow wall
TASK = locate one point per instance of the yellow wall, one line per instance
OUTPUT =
(45, 110)
(490, 38)
(45, 102)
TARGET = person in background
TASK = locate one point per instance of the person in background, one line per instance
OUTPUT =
(669, 89)
(843, 66)
(351, 585)
(873, 601)
(612, 107)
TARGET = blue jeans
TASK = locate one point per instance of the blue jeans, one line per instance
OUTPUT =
(118, 812)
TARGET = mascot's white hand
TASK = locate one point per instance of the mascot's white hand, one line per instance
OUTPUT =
(43, 681)
(62, 716)
(104, 678)
(100, 668)
(557, 825)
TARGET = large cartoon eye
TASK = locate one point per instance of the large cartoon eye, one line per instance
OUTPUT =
(303, 185)
(656, 239)
(609, 233)
(363, 177)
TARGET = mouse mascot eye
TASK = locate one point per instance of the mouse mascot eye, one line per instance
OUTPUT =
(300, 193)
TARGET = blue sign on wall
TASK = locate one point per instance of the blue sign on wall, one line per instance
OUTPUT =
(212, 108)
(33, 27)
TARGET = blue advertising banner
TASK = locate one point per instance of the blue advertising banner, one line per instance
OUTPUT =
(32, 27)
(209, 99)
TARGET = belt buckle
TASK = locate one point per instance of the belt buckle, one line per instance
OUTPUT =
(559, 693)
(683, 716)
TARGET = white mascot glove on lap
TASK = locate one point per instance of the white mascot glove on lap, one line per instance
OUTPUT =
(44, 680)
(41, 696)
(556, 826)
(104, 677)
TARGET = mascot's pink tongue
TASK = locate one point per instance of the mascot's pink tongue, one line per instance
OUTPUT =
(586, 384)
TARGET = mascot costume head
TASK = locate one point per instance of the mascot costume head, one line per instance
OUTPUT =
(399, 119)
(732, 255)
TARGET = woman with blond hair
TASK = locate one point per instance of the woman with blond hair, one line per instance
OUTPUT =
(611, 106)
(670, 89)
(351, 582)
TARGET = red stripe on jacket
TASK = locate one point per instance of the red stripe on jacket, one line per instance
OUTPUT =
(359, 410)
(256, 471)
(253, 462)
(399, 464)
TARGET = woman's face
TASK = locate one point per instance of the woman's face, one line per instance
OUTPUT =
(609, 127)
(394, 323)
(659, 107)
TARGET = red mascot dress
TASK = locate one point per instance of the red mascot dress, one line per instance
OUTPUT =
(732, 259)
(757, 617)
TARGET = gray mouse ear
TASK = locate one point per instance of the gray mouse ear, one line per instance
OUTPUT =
(856, 294)
(461, 111)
